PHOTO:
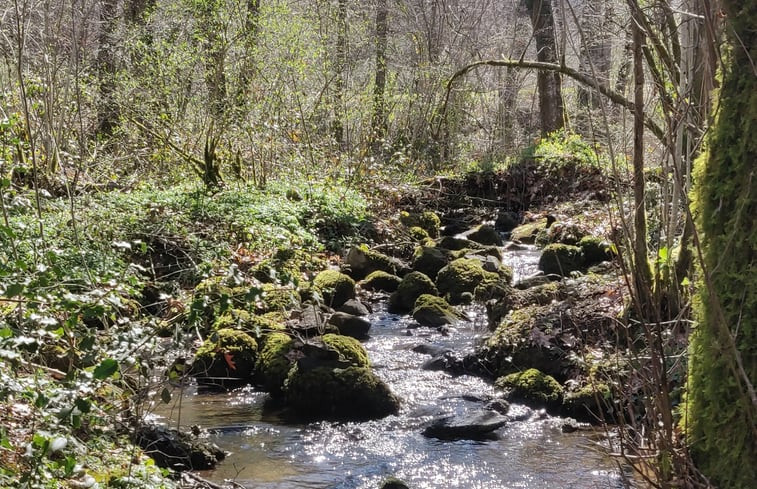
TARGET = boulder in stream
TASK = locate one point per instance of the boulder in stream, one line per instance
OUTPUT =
(361, 261)
(462, 276)
(177, 450)
(350, 325)
(486, 235)
(226, 359)
(382, 281)
(335, 287)
(430, 259)
(412, 286)
(561, 259)
(470, 426)
(532, 387)
(355, 307)
(434, 311)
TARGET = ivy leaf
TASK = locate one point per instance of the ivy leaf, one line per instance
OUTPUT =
(165, 395)
(106, 368)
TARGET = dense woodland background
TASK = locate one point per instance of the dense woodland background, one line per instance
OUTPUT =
(121, 98)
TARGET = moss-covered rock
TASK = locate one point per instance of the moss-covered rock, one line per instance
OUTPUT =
(506, 221)
(348, 348)
(418, 233)
(486, 235)
(361, 261)
(595, 250)
(273, 364)
(434, 311)
(457, 244)
(380, 280)
(427, 220)
(335, 287)
(352, 393)
(430, 259)
(526, 233)
(226, 358)
(561, 259)
(592, 402)
(278, 299)
(532, 387)
(562, 232)
(412, 286)
(462, 276)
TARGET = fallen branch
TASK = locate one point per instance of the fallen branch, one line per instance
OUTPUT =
(582, 78)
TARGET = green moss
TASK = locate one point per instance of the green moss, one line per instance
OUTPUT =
(462, 276)
(413, 285)
(362, 261)
(564, 233)
(252, 324)
(595, 250)
(335, 287)
(532, 386)
(457, 244)
(526, 233)
(380, 280)
(427, 220)
(434, 311)
(430, 259)
(349, 348)
(418, 233)
(721, 414)
(486, 235)
(273, 365)
(592, 402)
(561, 259)
(281, 299)
(353, 393)
(226, 355)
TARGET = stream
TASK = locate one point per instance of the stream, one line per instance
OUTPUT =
(529, 452)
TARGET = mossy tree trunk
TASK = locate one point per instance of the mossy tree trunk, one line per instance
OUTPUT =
(722, 407)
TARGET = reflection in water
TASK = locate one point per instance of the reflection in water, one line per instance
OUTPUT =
(268, 453)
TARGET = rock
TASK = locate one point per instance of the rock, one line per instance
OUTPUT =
(569, 426)
(274, 362)
(460, 276)
(430, 259)
(506, 221)
(426, 220)
(352, 393)
(348, 351)
(498, 406)
(434, 311)
(448, 362)
(361, 261)
(526, 233)
(177, 450)
(562, 232)
(380, 280)
(412, 286)
(473, 426)
(350, 325)
(533, 280)
(226, 358)
(457, 244)
(277, 299)
(592, 403)
(595, 250)
(419, 234)
(308, 322)
(429, 349)
(252, 324)
(354, 307)
(532, 387)
(335, 287)
(561, 259)
(486, 235)
(392, 483)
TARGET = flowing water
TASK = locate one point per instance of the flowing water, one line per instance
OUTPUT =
(268, 453)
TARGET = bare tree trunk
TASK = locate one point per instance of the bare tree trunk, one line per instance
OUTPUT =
(339, 67)
(214, 58)
(378, 125)
(550, 92)
(596, 48)
(247, 69)
(107, 110)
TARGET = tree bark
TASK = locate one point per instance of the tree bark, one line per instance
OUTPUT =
(378, 124)
(339, 67)
(548, 82)
(107, 109)
(595, 57)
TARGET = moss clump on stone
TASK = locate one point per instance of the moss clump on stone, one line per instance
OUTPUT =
(273, 365)
(595, 250)
(533, 387)
(278, 299)
(486, 235)
(361, 261)
(418, 233)
(462, 276)
(457, 244)
(380, 280)
(427, 220)
(561, 232)
(434, 311)
(335, 287)
(430, 259)
(561, 259)
(227, 356)
(348, 348)
(352, 393)
(412, 286)
(592, 402)
(526, 233)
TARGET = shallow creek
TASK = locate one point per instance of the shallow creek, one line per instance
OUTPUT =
(268, 453)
